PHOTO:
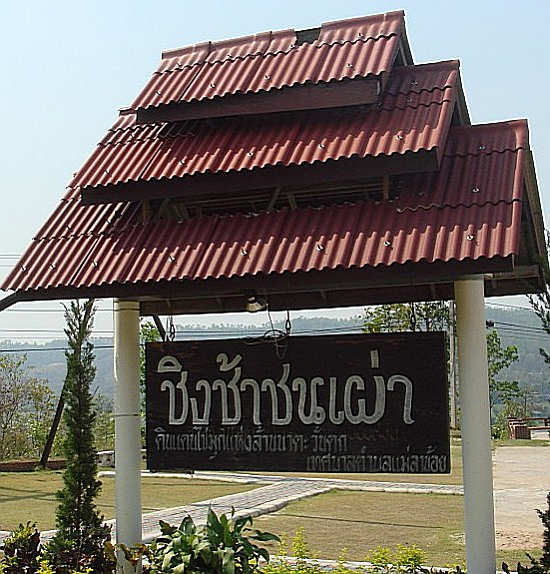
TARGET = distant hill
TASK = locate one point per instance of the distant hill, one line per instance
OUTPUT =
(515, 326)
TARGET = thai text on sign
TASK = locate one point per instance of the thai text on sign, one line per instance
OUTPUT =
(348, 403)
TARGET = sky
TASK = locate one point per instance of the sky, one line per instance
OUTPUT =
(67, 67)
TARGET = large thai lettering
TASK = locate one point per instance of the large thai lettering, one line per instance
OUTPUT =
(362, 399)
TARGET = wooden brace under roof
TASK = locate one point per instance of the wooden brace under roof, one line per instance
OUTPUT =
(381, 188)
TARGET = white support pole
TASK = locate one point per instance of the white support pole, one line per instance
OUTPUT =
(476, 434)
(452, 364)
(127, 425)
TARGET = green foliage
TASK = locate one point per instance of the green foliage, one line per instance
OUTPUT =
(45, 568)
(541, 302)
(498, 359)
(538, 565)
(300, 548)
(21, 550)
(300, 567)
(283, 544)
(221, 546)
(510, 409)
(426, 316)
(409, 555)
(104, 427)
(380, 556)
(545, 519)
(148, 333)
(26, 409)
(92, 550)
(81, 539)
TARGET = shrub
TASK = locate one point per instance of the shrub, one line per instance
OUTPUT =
(380, 556)
(221, 546)
(542, 565)
(410, 556)
(45, 568)
(21, 550)
(300, 548)
(93, 551)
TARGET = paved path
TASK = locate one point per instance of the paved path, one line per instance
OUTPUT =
(521, 476)
(279, 491)
(266, 499)
(521, 479)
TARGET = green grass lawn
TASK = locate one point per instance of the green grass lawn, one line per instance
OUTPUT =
(360, 521)
(30, 496)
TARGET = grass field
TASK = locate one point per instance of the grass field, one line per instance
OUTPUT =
(360, 521)
(30, 496)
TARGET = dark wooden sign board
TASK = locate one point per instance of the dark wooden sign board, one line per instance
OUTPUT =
(335, 403)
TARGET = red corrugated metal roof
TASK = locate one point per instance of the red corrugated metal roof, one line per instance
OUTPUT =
(438, 218)
(345, 49)
(414, 115)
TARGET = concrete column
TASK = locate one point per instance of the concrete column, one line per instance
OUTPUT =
(127, 424)
(476, 433)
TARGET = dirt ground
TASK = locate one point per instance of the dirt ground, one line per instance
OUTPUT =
(521, 478)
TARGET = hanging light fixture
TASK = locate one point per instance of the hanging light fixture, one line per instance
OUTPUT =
(255, 303)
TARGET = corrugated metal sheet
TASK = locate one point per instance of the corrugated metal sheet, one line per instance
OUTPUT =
(438, 219)
(345, 49)
(405, 121)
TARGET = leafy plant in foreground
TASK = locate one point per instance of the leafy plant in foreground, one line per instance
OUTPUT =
(221, 546)
(21, 550)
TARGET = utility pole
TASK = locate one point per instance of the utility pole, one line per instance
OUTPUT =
(452, 365)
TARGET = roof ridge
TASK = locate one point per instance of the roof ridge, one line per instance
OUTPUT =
(269, 52)
(519, 122)
(452, 64)
(210, 46)
(383, 16)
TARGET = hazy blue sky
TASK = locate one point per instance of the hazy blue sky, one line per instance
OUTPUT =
(67, 66)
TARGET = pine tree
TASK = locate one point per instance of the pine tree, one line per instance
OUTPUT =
(538, 565)
(545, 519)
(81, 537)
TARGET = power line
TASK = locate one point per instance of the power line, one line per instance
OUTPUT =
(49, 349)
(519, 325)
(49, 310)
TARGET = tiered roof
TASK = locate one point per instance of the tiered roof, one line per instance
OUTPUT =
(225, 175)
